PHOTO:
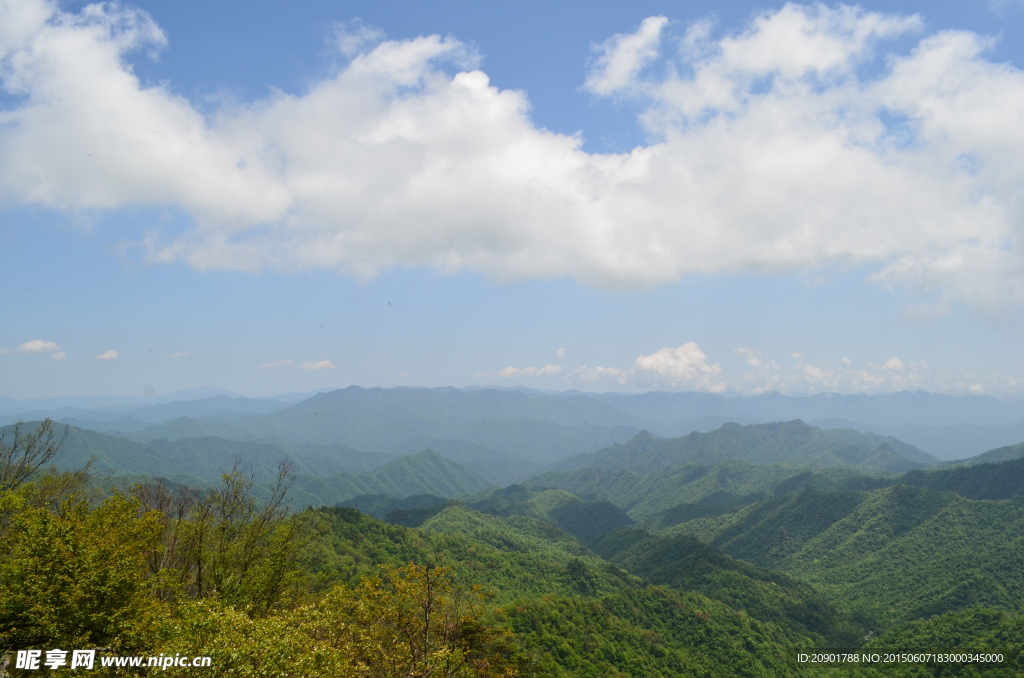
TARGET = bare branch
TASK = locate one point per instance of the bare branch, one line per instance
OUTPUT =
(23, 452)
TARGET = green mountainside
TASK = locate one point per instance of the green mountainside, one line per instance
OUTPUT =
(707, 490)
(206, 458)
(498, 468)
(405, 420)
(716, 554)
(792, 442)
(688, 564)
(885, 556)
(977, 629)
(997, 455)
(380, 505)
(575, 614)
(426, 472)
(321, 475)
(585, 520)
(981, 481)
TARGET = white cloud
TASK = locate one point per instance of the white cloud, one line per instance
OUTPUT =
(321, 365)
(770, 152)
(560, 353)
(37, 346)
(510, 372)
(820, 377)
(356, 36)
(40, 346)
(280, 363)
(688, 368)
(751, 354)
(623, 56)
(685, 366)
(589, 375)
(893, 364)
(179, 354)
(110, 354)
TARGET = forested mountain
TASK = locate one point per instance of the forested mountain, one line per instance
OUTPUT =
(668, 497)
(741, 556)
(425, 472)
(585, 520)
(538, 442)
(997, 455)
(219, 406)
(687, 564)
(792, 442)
(203, 458)
(951, 442)
(574, 613)
(951, 427)
(886, 556)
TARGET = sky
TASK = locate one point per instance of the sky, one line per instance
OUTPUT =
(735, 197)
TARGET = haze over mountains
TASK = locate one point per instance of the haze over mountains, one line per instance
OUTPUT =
(786, 532)
(539, 426)
(336, 440)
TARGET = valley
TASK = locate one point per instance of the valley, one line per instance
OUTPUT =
(603, 548)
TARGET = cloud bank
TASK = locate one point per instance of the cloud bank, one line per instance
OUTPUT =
(688, 368)
(771, 151)
(36, 345)
(682, 368)
(319, 365)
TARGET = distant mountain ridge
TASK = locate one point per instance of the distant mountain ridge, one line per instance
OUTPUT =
(203, 458)
(792, 442)
(526, 423)
(423, 473)
(886, 410)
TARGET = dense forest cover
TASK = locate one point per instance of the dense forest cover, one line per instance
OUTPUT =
(732, 568)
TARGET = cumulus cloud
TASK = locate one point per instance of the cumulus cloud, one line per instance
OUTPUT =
(687, 367)
(280, 363)
(38, 346)
(321, 365)
(751, 354)
(356, 36)
(179, 354)
(560, 353)
(623, 56)
(110, 354)
(682, 367)
(893, 364)
(888, 375)
(770, 151)
(510, 372)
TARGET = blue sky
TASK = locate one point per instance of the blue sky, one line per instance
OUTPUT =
(733, 197)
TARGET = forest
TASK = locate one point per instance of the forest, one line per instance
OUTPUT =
(727, 553)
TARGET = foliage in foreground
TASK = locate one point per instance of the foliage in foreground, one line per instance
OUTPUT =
(169, 570)
(407, 621)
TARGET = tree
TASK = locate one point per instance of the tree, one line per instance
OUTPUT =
(75, 576)
(224, 543)
(23, 452)
(413, 621)
(408, 622)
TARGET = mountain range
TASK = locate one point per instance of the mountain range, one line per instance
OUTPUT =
(609, 549)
